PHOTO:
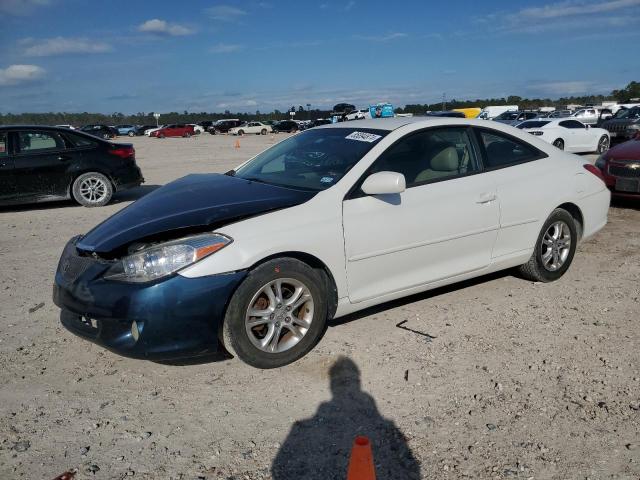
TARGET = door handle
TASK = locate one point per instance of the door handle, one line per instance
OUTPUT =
(63, 158)
(486, 197)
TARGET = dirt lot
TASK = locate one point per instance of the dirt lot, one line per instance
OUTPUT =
(514, 379)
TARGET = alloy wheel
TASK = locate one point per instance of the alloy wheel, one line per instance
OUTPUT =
(93, 189)
(603, 145)
(555, 246)
(279, 315)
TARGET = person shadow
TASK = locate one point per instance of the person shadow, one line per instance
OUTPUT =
(319, 447)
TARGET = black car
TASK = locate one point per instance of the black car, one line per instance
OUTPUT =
(624, 125)
(140, 129)
(206, 124)
(39, 164)
(224, 126)
(101, 131)
(321, 121)
(288, 126)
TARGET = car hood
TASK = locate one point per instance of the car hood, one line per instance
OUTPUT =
(194, 201)
(629, 150)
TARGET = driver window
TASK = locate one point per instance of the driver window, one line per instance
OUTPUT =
(430, 155)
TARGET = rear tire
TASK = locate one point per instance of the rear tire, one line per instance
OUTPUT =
(92, 189)
(554, 250)
(263, 131)
(559, 143)
(603, 144)
(242, 340)
(131, 133)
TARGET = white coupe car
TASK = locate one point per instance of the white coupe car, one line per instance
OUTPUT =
(568, 134)
(330, 221)
(257, 128)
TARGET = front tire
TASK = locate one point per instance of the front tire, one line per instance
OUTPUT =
(554, 250)
(559, 143)
(92, 189)
(277, 315)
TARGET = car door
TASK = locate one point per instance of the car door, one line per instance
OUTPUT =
(41, 164)
(577, 134)
(7, 179)
(444, 224)
(522, 175)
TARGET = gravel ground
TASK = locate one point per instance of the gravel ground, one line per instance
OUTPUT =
(493, 378)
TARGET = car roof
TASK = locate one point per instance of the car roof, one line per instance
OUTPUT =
(397, 122)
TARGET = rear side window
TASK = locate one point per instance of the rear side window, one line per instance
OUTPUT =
(80, 140)
(504, 151)
(571, 124)
(40, 142)
(3, 145)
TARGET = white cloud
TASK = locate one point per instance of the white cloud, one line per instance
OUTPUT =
(572, 8)
(18, 74)
(563, 16)
(21, 7)
(225, 48)
(381, 38)
(162, 27)
(60, 46)
(225, 13)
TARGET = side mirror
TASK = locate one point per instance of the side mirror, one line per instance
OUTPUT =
(384, 183)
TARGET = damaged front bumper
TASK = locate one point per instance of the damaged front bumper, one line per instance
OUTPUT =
(174, 317)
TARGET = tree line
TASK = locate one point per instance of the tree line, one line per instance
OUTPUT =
(630, 92)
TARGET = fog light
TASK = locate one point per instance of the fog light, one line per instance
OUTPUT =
(135, 333)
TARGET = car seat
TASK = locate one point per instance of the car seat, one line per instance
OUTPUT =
(444, 162)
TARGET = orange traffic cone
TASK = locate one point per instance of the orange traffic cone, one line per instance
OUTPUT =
(237, 144)
(361, 461)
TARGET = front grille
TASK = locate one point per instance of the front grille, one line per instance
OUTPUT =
(631, 170)
(72, 265)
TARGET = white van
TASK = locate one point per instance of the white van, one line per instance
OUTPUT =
(492, 111)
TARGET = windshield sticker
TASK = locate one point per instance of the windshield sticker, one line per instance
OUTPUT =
(326, 180)
(363, 137)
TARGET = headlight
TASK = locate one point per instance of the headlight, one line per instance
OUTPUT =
(163, 259)
(601, 162)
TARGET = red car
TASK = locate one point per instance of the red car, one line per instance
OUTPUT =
(620, 167)
(178, 130)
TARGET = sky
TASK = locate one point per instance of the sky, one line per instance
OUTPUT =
(203, 55)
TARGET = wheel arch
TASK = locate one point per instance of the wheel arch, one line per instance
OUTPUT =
(576, 213)
(313, 262)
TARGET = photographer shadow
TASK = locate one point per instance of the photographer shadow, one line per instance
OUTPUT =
(319, 447)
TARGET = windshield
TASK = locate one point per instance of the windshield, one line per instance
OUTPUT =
(313, 160)
(627, 113)
(532, 124)
(508, 116)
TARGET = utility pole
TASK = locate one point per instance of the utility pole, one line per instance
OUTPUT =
(444, 101)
